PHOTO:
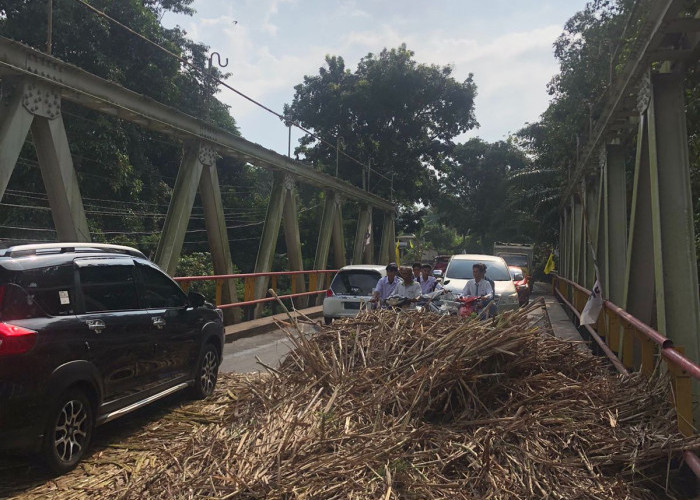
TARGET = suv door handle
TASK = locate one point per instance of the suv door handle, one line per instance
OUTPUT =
(96, 325)
(158, 322)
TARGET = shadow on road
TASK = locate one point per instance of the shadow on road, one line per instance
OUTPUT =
(20, 474)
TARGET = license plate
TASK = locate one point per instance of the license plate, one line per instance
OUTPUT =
(352, 305)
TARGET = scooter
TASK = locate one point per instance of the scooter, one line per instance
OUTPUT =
(440, 301)
(471, 305)
(396, 302)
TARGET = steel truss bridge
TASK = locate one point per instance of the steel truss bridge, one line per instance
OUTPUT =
(640, 238)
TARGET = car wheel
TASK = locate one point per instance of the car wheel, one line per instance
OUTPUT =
(327, 320)
(207, 373)
(68, 431)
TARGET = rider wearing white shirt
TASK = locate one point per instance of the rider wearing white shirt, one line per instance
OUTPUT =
(478, 287)
(408, 288)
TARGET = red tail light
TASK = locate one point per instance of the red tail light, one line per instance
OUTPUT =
(15, 339)
(329, 293)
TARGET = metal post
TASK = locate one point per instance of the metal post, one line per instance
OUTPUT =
(639, 289)
(217, 234)
(677, 238)
(324, 239)
(615, 224)
(369, 170)
(60, 179)
(49, 33)
(15, 122)
(172, 235)
(338, 237)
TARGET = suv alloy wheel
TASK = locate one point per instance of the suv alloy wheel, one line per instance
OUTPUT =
(68, 431)
(207, 372)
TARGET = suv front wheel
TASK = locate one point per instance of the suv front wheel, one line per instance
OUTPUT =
(207, 373)
(68, 431)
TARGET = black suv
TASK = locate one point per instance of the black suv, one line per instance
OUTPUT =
(88, 333)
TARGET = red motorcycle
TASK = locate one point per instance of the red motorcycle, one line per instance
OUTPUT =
(469, 305)
(476, 305)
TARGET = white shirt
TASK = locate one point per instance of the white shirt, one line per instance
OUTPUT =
(412, 291)
(474, 289)
(386, 289)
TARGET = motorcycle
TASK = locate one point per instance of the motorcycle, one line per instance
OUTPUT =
(444, 302)
(440, 301)
(476, 305)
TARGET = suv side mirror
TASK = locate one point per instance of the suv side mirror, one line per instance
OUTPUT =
(196, 299)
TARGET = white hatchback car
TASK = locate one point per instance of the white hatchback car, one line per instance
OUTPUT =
(459, 270)
(350, 290)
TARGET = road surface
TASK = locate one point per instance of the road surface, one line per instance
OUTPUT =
(242, 355)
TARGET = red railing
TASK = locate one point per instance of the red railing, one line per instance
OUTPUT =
(249, 280)
(640, 336)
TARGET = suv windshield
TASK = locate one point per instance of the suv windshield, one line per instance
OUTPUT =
(461, 269)
(355, 282)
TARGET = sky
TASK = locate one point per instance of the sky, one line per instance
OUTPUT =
(272, 44)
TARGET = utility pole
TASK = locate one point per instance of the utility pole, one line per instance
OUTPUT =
(338, 141)
(50, 27)
(369, 169)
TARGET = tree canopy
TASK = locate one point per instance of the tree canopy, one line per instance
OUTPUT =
(392, 112)
(475, 191)
(126, 173)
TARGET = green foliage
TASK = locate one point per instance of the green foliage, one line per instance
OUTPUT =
(200, 264)
(475, 191)
(125, 173)
(393, 112)
(591, 50)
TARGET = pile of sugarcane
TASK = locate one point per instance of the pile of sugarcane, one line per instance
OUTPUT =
(406, 405)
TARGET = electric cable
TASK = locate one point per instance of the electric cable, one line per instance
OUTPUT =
(226, 85)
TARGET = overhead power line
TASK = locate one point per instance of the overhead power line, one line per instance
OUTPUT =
(226, 85)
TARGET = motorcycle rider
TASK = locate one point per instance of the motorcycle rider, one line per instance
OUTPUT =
(407, 288)
(416, 271)
(428, 283)
(386, 285)
(479, 286)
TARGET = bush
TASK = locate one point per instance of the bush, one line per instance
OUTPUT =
(200, 264)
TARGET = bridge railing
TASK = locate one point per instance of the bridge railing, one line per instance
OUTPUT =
(633, 345)
(315, 278)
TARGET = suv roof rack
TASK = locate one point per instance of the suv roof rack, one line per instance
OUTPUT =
(24, 250)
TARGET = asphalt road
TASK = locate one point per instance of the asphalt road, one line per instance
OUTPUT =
(244, 355)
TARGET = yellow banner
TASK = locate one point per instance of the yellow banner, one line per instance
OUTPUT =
(549, 266)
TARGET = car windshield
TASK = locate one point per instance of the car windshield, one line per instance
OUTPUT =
(461, 269)
(355, 282)
(515, 259)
